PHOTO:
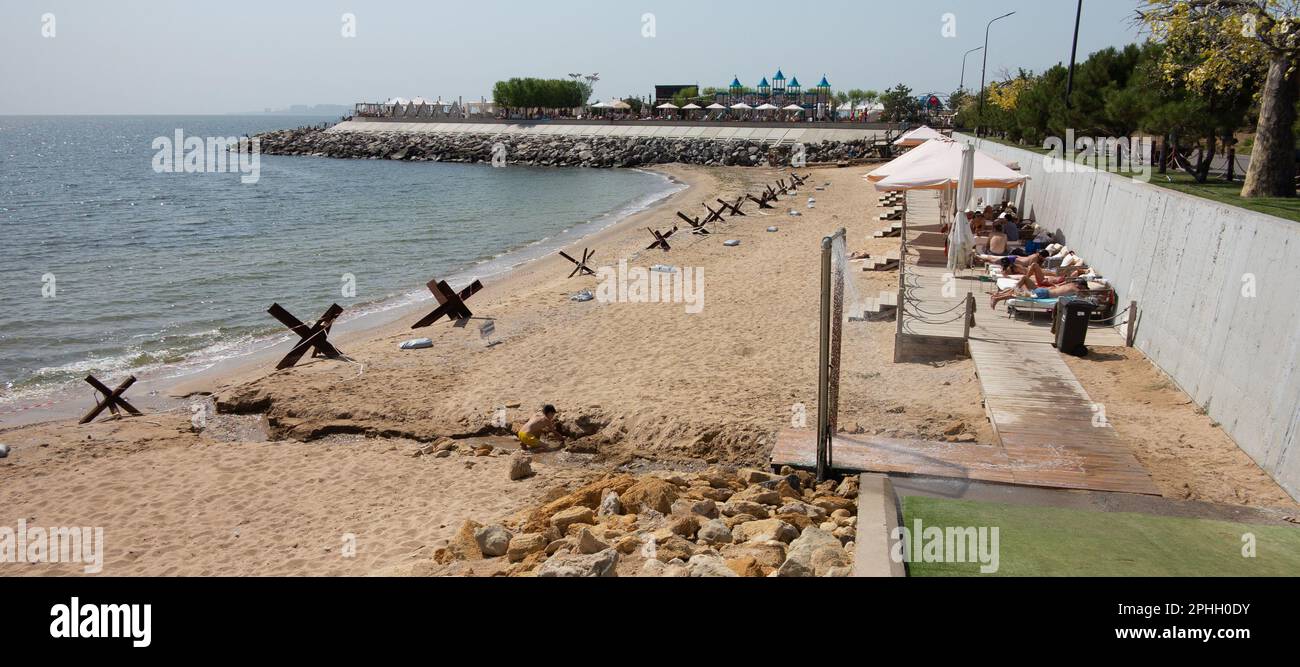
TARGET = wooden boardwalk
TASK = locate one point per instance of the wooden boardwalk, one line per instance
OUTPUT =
(1047, 430)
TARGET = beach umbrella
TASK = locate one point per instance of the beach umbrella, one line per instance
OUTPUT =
(602, 105)
(960, 239)
(715, 106)
(692, 106)
(937, 164)
(620, 104)
(918, 136)
(794, 107)
(667, 105)
(741, 106)
(767, 107)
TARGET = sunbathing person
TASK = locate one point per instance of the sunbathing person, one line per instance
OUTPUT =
(1026, 289)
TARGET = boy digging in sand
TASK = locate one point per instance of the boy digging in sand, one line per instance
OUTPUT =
(540, 424)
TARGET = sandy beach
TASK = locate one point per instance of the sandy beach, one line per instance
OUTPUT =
(296, 464)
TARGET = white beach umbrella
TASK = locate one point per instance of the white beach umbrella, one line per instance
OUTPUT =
(794, 107)
(602, 105)
(715, 106)
(667, 105)
(918, 136)
(692, 106)
(741, 106)
(961, 241)
(766, 107)
(620, 104)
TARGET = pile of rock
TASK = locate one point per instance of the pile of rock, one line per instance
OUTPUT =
(548, 150)
(717, 523)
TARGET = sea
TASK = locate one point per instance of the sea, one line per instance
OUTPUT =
(115, 260)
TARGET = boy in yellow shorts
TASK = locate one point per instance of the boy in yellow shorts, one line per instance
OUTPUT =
(540, 424)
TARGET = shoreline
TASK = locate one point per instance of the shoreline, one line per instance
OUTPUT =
(166, 388)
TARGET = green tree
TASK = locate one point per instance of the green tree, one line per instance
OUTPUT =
(900, 105)
(1223, 37)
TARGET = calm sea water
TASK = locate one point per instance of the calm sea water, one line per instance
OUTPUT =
(107, 266)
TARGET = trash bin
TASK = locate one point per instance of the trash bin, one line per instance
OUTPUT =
(1072, 317)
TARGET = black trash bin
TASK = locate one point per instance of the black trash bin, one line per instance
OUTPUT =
(1072, 317)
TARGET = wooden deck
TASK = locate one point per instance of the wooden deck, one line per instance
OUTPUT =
(1047, 431)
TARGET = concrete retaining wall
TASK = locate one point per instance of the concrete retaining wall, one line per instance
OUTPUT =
(1186, 261)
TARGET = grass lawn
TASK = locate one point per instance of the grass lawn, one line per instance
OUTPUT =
(1229, 193)
(1052, 541)
(1213, 189)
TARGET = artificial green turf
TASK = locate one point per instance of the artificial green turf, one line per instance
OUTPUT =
(1051, 541)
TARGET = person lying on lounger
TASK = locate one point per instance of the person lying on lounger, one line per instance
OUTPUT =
(1025, 289)
(1042, 277)
(542, 423)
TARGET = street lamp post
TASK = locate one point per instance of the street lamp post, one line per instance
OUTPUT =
(1074, 50)
(984, 71)
(962, 86)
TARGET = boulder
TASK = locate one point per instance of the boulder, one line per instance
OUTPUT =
(768, 555)
(832, 503)
(610, 505)
(736, 507)
(522, 546)
(745, 566)
(765, 530)
(564, 518)
(581, 565)
(673, 548)
(752, 476)
(704, 508)
(521, 466)
(758, 494)
(464, 544)
(493, 540)
(708, 565)
(800, 558)
(714, 531)
(799, 521)
(588, 543)
(799, 507)
(826, 559)
(649, 493)
(686, 526)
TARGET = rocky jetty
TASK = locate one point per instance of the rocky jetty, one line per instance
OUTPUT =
(548, 150)
(715, 523)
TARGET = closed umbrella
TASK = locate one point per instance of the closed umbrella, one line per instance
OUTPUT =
(961, 242)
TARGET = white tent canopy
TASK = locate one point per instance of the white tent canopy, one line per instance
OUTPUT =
(918, 136)
(398, 100)
(602, 105)
(937, 164)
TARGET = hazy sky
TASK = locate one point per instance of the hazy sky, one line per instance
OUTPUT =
(221, 56)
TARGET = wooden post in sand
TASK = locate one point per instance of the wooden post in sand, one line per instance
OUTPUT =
(828, 356)
(1130, 337)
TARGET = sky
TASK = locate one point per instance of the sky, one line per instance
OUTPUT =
(229, 56)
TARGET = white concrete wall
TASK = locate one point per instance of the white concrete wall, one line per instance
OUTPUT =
(1184, 260)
